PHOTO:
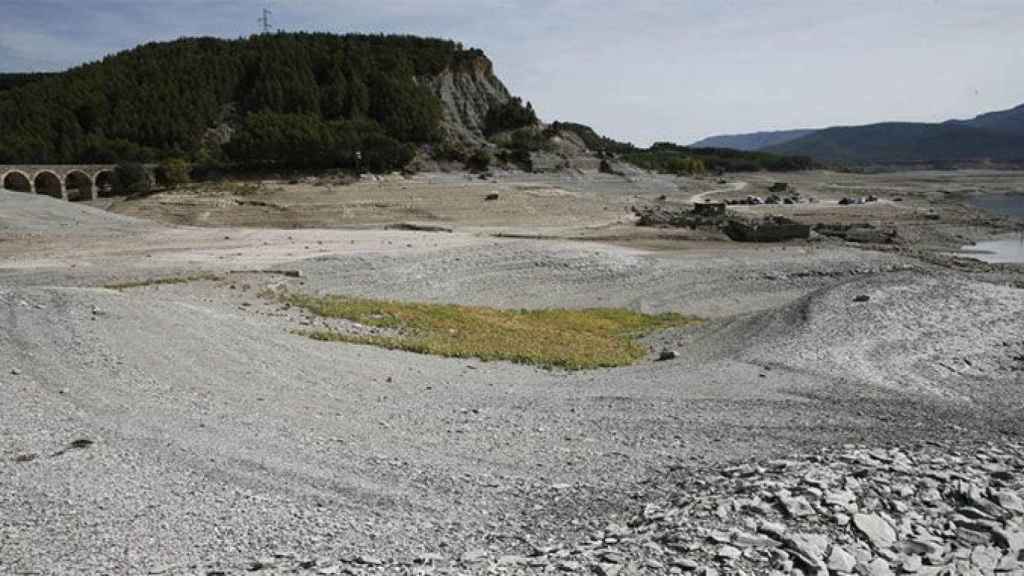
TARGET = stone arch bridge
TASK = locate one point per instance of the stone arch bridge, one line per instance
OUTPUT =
(67, 182)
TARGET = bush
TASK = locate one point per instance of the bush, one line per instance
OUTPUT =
(445, 151)
(173, 172)
(289, 140)
(511, 115)
(384, 154)
(519, 157)
(480, 161)
(130, 179)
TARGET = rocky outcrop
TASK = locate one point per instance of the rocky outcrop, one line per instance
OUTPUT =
(467, 93)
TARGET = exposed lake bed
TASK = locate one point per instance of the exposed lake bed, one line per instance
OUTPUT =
(169, 325)
(1004, 251)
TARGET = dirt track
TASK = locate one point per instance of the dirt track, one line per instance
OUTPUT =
(220, 437)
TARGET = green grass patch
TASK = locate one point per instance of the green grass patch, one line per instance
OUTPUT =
(554, 338)
(162, 281)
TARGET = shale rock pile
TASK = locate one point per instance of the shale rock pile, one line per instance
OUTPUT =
(858, 511)
(930, 511)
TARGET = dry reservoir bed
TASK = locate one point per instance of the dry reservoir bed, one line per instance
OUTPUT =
(184, 427)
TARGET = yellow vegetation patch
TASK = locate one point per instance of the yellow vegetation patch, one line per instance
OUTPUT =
(571, 339)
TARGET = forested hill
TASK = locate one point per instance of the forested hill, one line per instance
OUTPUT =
(10, 81)
(752, 141)
(315, 98)
(995, 137)
(898, 143)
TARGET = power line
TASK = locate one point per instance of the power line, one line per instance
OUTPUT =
(265, 20)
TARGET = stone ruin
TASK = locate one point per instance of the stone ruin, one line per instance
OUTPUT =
(710, 209)
(715, 215)
(768, 229)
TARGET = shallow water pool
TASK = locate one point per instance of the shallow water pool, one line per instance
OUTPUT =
(1006, 251)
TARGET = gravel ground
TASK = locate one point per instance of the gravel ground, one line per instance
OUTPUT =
(183, 429)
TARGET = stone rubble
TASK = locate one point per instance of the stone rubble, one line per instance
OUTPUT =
(931, 511)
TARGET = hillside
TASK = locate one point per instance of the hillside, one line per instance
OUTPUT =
(10, 81)
(670, 158)
(906, 143)
(309, 101)
(315, 98)
(752, 141)
(993, 137)
(1005, 121)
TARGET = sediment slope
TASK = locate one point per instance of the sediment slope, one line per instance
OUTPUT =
(22, 213)
(932, 334)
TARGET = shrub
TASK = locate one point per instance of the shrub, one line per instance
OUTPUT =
(384, 154)
(173, 172)
(511, 115)
(130, 179)
(480, 161)
(448, 151)
(518, 157)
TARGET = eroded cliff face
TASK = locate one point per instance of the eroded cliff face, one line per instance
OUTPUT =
(466, 94)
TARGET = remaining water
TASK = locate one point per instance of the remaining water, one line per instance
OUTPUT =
(1001, 204)
(1008, 251)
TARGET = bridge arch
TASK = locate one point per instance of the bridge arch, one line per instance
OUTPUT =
(79, 186)
(16, 180)
(47, 182)
(103, 183)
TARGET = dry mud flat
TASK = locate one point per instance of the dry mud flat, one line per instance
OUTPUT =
(589, 205)
(184, 429)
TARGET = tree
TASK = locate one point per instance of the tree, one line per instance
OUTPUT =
(130, 179)
(173, 172)
(383, 154)
(511, 115)
(334, 95)
(357, 104)
(480, 161)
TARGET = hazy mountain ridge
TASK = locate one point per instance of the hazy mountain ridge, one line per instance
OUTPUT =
(752, 141)
(1006, 121)
(992, 137)
(908, 143)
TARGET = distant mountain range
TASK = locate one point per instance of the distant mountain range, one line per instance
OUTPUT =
(996, 137)
(753, 141)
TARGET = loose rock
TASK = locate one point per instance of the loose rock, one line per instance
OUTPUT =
(877, 530)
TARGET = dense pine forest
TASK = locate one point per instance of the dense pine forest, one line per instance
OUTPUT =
(673, 158)
(302, 100)
(10, 81)
(293, 101)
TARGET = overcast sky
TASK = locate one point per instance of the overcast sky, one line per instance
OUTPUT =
(639, 70)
